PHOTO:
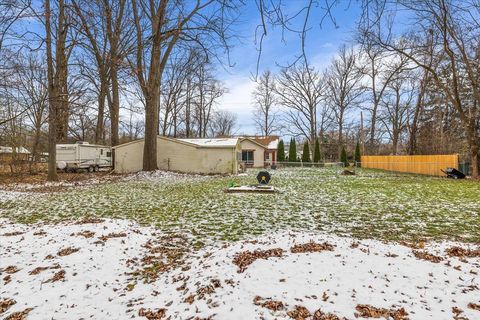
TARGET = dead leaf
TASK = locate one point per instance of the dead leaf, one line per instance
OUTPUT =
(20, 315)
(423, 255)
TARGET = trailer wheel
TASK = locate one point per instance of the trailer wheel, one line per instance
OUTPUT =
(96, 168)
(91, 169)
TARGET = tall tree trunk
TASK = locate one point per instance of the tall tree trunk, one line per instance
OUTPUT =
(52, 99)
(114, 107)
(101, 111)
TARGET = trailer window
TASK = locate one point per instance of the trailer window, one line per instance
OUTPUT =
(101, 152)
(109, 154)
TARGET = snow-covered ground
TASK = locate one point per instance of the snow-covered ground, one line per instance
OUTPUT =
(96, 281)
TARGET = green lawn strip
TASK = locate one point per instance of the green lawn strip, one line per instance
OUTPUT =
(371, 204)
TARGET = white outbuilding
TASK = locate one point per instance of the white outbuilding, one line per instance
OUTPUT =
(202, 156)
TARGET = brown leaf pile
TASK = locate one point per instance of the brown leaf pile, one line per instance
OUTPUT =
(67, 251)
(246, 258)
(461, 252)
(423, 255)
(368, 311)
(474, 306)
(20, 315)
(7, 279)
(60, 275)
(5, 304)
(13, 233)
(152, 315)
(311, 247)
(319, 315)
(299, 313)
(273, 305)
(37, 270)
(86, 234)
(10, 270)
(112, 235)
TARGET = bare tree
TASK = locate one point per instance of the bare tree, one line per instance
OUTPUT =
(397, 108)
(264, 100)
(343, 88)
(223, 123)
(299, 91)
(159, 26)
(454, 31)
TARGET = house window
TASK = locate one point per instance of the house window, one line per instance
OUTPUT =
(101, 152)
(247, 156)
(109, 154)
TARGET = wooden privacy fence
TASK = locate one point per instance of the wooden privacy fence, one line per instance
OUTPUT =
(421, 164)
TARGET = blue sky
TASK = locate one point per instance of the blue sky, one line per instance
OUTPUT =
(321, 45)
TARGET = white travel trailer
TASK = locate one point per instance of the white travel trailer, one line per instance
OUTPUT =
(82, 155)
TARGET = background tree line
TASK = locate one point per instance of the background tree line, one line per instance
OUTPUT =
(111, 71)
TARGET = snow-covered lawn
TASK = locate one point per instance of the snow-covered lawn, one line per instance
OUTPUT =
(159, 245)
(90, 271)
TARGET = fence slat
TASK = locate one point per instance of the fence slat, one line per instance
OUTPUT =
(421, 164)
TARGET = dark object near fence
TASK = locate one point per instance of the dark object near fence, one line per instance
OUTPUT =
(348, 173)
(454, 173)
(263, 177)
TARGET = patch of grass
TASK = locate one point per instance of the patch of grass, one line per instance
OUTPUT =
(369, 205)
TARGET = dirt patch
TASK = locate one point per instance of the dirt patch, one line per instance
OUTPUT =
(67, 251)
(151, 314)
(5, 304)
(423, 255)
(20, 315)
(312, 247)
(246, 258)
(274, 305)
(368, 311)
(462, 253)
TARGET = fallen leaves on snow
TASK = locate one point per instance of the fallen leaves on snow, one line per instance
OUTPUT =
(67, 251)
(312, 247)
(60, 275)
(368, 311)
(20, 315)
(5, 304)
(274, 305)
(423, 255)
(461, 252)
(151, 314)
(246, 258)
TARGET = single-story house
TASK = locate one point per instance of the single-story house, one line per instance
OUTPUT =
(259, 152)
(203, 156)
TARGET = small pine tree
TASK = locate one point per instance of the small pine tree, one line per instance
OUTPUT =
(357, 157)
(306, 153)
(281, 151)
(317, 157)
(292, 151)
(343, 157)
